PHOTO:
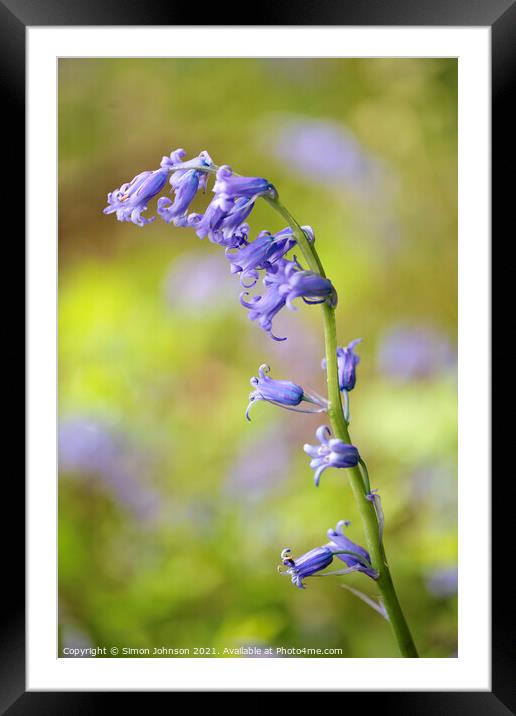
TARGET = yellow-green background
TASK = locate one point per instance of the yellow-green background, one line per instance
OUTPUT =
(172, 519)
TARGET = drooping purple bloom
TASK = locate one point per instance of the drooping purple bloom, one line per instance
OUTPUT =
(307, 565)
(278, 392)
(187, 178)
(234, 187)
(259, 254)
(360, 561)
(330, 453)
(234, 200)
(286, 281)
(130, 200)
(174, 162)
(264, 308)
(185, 185)
(209, 223)
(233, 231)
(347, 362)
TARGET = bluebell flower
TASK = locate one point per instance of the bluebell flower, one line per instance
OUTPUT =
(131, 198)
(263, 308)
(233, 202)
(278, 392)
(330, 453)
(283, 393)
(233, 229)
(209, 223)
(185, 185)
(185, 181)
(347, 362)
(175, 162)
(285, 281)
(259, 254)
(359, 560)
(311, 287)
(235, 187)
(307, 565)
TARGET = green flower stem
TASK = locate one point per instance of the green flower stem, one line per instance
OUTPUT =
(340, 430)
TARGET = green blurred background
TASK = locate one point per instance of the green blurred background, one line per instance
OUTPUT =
(173, 509)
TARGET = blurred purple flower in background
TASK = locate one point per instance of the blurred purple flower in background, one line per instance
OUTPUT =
(73, 637)
(443, 581)
(197, 280)
(435, 485)
(325, 151)
(410, 352)
(259, 468)
(91, 449)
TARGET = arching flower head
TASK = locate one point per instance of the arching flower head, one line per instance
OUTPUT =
(130, 200)
(306, 565)
(332, 452)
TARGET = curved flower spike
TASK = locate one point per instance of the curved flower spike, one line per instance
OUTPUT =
(352, 554)
(307, 565)
(131, 198)
(283, 393)
(347, 361)
(330, 453)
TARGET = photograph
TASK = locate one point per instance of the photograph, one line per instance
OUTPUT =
(257, 357)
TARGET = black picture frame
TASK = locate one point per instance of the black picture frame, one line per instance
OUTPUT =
(500, 16)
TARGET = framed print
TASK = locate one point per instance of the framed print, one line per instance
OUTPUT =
(303, 205)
